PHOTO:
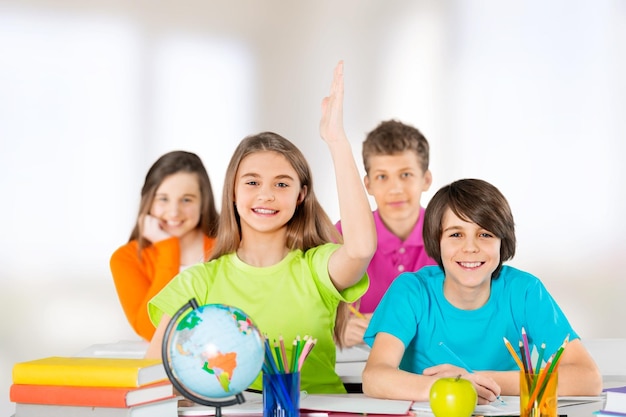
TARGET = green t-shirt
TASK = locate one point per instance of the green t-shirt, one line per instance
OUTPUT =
(293, 298)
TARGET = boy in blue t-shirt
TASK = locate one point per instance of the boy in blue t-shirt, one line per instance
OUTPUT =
(450, 320)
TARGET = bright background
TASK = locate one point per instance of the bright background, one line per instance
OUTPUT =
(530, 96)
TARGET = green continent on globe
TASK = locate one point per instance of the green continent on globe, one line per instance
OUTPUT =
(243, 321)
(222, 366)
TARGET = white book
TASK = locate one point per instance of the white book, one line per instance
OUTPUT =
(353, 403)
(253, 405)
(163, 408)
(121, 349)
(311, 404)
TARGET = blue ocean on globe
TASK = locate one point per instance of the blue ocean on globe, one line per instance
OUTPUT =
(215, 351)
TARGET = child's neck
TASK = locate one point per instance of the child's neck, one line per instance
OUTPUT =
(466, 298)
(262, 254)
(402, 228)
(192, 248)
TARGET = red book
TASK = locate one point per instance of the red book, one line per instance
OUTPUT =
(90, 396)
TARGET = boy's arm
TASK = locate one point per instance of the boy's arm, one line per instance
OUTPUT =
(578, 373)
(348, 264)
(382, 377)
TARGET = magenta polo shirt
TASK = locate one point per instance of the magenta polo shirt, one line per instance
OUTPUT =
(393, 256)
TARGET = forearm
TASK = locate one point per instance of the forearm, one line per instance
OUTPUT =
(155, 348)
(382, 381)
(507, 380)
(357, 222)
(572, 380)
(579, 380)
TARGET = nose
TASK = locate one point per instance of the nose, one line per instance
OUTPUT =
(470, 245)
(173, 208)
(395, 185)
(266, 194)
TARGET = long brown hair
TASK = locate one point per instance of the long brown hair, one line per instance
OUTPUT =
(309, 227)
(169, 164)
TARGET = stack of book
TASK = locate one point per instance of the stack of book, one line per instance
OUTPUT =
(615, 404)
(92, 386)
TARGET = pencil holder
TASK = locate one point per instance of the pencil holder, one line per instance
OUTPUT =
(538, 396)
(281, 394)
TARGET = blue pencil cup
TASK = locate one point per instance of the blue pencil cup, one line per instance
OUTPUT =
(281, 395)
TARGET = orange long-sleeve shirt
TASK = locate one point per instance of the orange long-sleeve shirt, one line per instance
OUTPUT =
(137, 279)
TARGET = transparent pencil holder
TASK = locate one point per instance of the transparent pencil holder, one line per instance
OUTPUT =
(538, 396)
(281, 394)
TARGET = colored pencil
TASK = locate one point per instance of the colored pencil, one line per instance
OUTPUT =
(355, 311)
(542, 350)
(513, 354)
(463, 364)
(459, 361)
(529, 362)
(539, 386)
(283, 352)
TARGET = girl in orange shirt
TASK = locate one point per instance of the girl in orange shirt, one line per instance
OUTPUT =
(176, 228)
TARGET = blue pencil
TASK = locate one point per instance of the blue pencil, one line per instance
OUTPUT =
(463, 364)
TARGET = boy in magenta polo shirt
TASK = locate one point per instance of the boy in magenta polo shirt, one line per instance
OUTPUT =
(396, 158)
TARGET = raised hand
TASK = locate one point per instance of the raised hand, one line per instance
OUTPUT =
(331, 123)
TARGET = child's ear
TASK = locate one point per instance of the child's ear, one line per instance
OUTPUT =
(302, 194)
(428, 180)
(366, 182)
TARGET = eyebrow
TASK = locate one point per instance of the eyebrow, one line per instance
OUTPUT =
(184, 195)
(278, 177)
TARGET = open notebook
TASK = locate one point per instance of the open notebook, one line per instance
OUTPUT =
(509, 407)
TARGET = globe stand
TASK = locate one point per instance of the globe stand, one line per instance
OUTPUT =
(239, 398)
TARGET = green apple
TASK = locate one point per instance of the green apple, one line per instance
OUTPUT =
(453, 397)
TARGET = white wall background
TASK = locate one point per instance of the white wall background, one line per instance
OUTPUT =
(530, 96)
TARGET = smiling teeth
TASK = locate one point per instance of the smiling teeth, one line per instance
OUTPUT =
(470, 264)
(264, 211)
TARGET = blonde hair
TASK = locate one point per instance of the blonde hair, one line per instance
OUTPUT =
(309, 227)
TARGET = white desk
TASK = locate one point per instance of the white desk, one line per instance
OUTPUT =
(580, 410)
(350, 363)
(350, 372)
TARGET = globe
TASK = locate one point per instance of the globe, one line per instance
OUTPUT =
(212, 352)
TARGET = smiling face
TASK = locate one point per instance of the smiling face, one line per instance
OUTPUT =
(397, 182)
(177, 203)
(267, 192)
(470, 255)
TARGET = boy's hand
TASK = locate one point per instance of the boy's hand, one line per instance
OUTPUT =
(486, 388)
(355, 329)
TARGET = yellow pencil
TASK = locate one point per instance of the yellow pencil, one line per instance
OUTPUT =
(510, 348)
(355, 311)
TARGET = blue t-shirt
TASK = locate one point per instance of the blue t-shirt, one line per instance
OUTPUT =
(415, 310)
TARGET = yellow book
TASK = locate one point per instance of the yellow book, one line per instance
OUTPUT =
(89, 371)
